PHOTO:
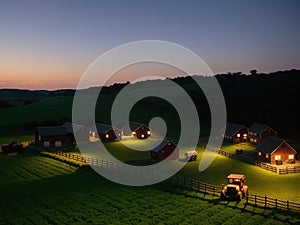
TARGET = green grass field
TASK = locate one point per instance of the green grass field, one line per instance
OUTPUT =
(39, 190)
(260, 181)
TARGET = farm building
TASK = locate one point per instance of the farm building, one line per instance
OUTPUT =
(106, 132)
(163, 149)
(235, 133)
(51, 136)
(275, 150)
(81, 132)
(258, 132)
(138, 130)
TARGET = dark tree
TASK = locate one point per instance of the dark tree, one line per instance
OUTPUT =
(253, 72)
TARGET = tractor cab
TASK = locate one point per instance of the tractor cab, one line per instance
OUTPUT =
(235, 188)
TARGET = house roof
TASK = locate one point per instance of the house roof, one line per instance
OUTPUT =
(72, 127)
(134, 125)
(233, 128)
(103, 128)
(258, 128)
(270, 144)
(160, 144)
(52, 131)
(236, 176)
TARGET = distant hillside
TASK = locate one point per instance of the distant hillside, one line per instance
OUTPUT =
(17, 97)
(267, 98)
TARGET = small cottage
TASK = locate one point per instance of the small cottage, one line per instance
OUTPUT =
(275, 150)
(107, 132)
(51, 136)
(235, 133)
(258, 132)
(138, 130)
(163, 149)
(81, 132)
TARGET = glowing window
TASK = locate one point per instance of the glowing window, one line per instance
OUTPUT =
(291, 156)
(142, 136)
(254, 140)
(238, 135)
(46, 143)
(133, 132)
(245, 135)
(277, 157)
(107, 136)
(267, 156)
(259, 153)
(149, 132)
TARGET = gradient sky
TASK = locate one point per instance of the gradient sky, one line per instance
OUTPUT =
(49, 44)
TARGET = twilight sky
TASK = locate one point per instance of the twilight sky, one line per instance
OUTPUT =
(49, 44)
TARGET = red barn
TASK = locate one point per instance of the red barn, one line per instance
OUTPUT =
(51, 136)
(107, 132)
(164, 149)
(138, 130)
(275, 150)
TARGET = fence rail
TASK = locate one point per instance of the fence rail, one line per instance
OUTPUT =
(268, 202)
(203, 187)
(287, 170)
(267, 166)
(91, 161)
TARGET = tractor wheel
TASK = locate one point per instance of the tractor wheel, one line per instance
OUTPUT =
(222, 195)
(240, 196)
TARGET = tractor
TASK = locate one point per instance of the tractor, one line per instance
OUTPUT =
(236, 188)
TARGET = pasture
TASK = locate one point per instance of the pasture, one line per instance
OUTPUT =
(39, 190)
(260, 181)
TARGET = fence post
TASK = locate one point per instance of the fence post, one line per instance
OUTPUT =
(266, 201)
(287, 205)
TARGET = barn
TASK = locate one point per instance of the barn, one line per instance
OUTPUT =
(51, 136)
(163, 149)
(275, 150)
(235, 133)
(258, 132)
(138, 130)
(107, 132)
(81, 132)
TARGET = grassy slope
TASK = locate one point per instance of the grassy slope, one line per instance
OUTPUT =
(14, 119)
(65, 196)
(260, 181)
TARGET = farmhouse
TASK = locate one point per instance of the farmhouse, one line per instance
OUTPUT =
(107, 132)
(258, 132)
(81, 132)
(276, 150)
(138, 130)
(163, 149)
(235, 133)
(51, 136)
